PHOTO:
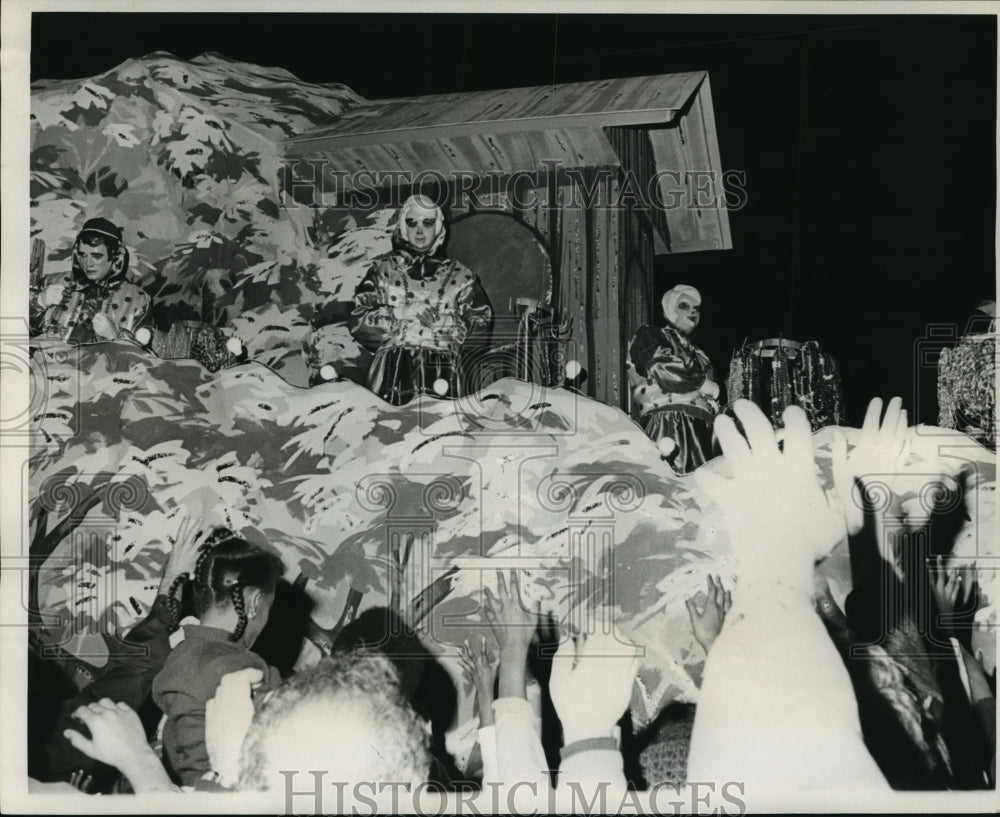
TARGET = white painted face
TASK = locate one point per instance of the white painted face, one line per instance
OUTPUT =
(420, 229)
(686, 314)
(94, 261)
(422, 223)
(682, 307)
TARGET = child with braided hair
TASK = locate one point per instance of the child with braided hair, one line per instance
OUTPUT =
(231, 592)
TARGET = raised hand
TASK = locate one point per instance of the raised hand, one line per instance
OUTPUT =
(81, 780)
(591, 684)
(513, 627)
(118, 739)
(115, 729)
(480, 667)
(779, 518)
(955, 590)
(184, 550)
(707, 622)
(875, 461)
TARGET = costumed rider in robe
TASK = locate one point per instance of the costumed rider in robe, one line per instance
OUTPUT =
(415, 310)
(673, 384)
(93, 302)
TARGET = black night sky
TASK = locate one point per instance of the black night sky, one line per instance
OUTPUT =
(868, 143)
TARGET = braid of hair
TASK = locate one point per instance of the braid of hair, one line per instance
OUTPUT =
(173, 603)
(199, 568)
(239, 605)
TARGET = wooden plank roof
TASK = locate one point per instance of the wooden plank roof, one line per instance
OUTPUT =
(511, 130)
(601, 103)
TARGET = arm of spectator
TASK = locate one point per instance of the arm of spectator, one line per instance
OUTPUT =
(151, 634)
(984, 705)
(870, 470)
(128, 676)
(519, 754)
(480, 668)
(118, 739)
(956, 592)
(799, 714)
(513, 627)
(707, 622)
(227, 718)
(779, 519)
(371, 319)
(590, 685)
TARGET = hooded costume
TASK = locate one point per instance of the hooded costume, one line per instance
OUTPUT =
(414, 310)
(71, 319)
(673, 384)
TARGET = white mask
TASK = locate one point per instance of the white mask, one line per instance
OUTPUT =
(682, 307)
(421, 223)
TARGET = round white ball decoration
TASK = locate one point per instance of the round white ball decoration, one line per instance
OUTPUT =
(667, 446)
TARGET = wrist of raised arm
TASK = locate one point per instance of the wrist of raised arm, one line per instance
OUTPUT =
(580, 732)
(145, 771)
(513, 680)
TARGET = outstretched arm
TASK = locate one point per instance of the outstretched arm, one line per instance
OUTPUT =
(519, 753)
(773, 680)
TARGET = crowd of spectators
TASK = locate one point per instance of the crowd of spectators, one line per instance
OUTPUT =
(797, 692)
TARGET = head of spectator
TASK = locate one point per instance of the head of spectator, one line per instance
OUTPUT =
(423, 680)
(348, 716)
(233, 586)
(380, 631)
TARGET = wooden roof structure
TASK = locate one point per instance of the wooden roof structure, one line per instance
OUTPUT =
(517, 129)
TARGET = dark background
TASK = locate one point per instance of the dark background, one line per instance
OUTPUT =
(868, 143)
